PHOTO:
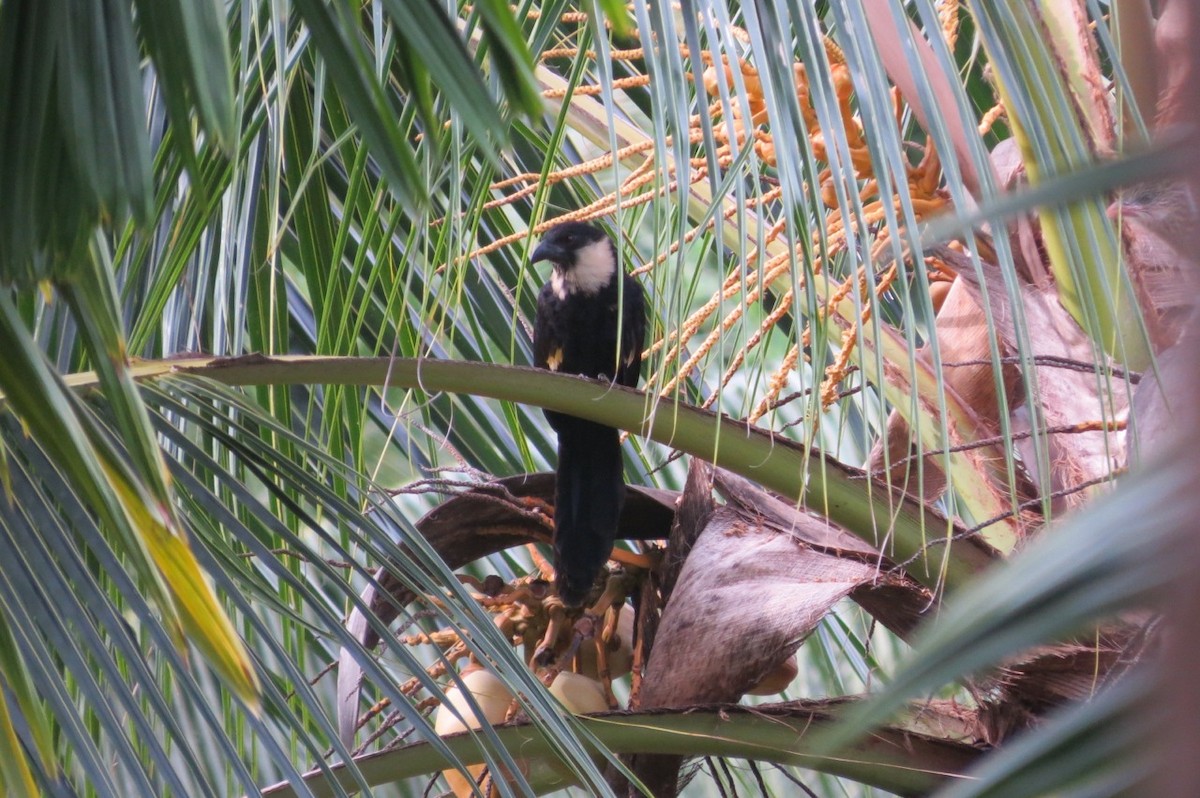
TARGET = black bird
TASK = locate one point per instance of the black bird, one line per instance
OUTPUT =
(591, 320)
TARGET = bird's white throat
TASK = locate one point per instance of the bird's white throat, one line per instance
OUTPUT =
(594, 268)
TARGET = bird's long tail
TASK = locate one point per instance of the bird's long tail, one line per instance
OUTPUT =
(589, 493)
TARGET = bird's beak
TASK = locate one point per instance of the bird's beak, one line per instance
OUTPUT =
(550, 252)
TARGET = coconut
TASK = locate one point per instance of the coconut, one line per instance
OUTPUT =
(493, 698)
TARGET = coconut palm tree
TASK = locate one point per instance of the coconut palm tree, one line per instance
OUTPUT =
(277, 500)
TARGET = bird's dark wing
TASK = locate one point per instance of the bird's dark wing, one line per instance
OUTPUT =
(633, 333)
(547, 337)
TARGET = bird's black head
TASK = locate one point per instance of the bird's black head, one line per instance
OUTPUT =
(563, 244)
(584, 258)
